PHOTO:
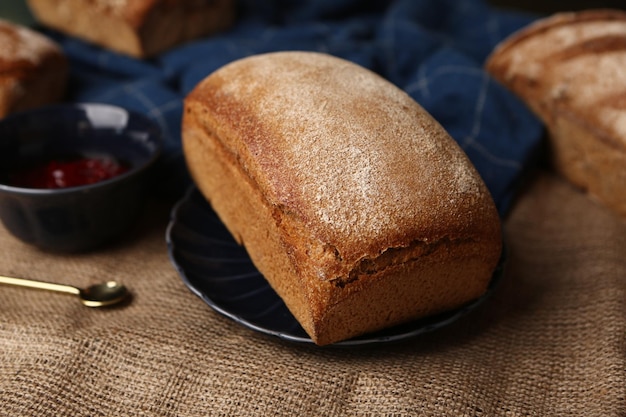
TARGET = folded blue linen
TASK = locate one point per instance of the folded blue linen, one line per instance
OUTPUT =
(433, 49)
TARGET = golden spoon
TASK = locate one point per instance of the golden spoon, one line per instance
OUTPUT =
(98, 295)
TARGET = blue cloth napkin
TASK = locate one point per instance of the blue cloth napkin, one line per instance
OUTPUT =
(433, 49)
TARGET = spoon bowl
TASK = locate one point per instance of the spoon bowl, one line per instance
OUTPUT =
(103, 294)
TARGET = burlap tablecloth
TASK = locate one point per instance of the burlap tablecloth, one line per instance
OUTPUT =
(550, 342)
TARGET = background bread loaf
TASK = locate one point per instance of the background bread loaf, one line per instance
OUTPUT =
(569, 68)
(33, 69)
(139, 28)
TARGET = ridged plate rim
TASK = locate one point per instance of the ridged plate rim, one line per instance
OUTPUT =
(204, 284)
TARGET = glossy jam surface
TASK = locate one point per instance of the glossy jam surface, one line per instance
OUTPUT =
(68, 172)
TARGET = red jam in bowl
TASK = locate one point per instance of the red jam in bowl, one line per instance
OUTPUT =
(68, 172)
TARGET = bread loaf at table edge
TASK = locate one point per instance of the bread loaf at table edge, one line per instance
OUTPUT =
(351, 200)
(568, 68)
(139, 28)
(33, 69)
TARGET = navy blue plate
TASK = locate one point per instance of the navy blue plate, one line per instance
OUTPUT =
(220, 272)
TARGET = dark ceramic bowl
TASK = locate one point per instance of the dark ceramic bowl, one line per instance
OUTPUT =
(81, 217)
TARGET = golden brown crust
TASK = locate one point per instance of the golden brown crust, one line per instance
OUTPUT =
(139, 28)
(361, 192)
(569, 69)
(33, 69)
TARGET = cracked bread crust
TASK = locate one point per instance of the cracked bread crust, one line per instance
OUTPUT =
(352, 201)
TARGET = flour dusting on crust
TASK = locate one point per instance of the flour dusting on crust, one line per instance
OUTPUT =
(351, 156)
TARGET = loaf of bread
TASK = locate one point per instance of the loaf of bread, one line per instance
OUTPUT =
(139, 28)
(352, 201)
(570, 70)
(33, 69)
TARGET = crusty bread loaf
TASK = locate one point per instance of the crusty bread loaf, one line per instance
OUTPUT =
(140, 28)
(570, 70)
(33, 69)
(352, 201)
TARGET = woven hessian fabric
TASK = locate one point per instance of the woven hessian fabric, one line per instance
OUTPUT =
(550, 342)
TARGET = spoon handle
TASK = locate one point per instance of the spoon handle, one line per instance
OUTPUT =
(41, 285)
